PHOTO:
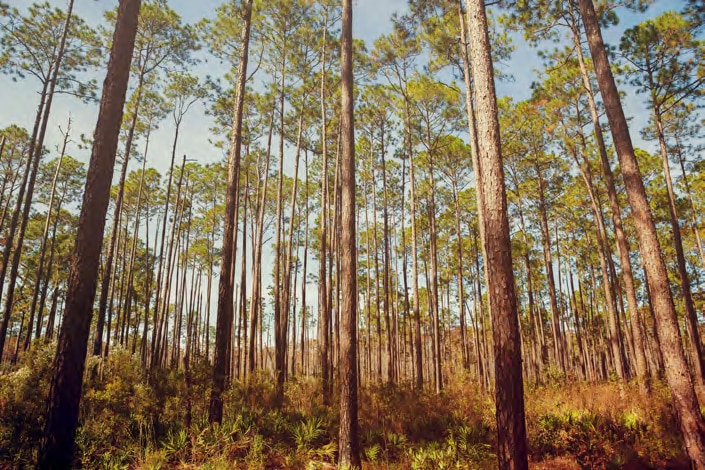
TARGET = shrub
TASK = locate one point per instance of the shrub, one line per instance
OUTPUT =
(23, 395)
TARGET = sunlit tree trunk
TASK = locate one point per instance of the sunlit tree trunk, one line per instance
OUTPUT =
(511, 427)
(615, 338)
(348, 439)
(677, 375)
(26, 193)
(255, 297)
(108, 269)
(691, 316)
(620, 236)
(323, 298)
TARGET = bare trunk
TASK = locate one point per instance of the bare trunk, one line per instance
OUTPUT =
(348, 440)
(43, 247)
(691, 317)
(620, 236)
(324, 311)
(225, 285)
(677, 375)
(511, 427)
(57, 446)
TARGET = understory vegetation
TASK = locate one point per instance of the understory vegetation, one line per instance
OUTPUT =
(131, 420)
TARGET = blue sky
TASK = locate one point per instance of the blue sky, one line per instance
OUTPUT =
(19, 99)
(372, 18)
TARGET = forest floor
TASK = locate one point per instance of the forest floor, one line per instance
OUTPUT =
(132, 421)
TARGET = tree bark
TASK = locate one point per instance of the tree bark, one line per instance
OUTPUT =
(225, 284)
(620, 236)
(34, 157)
(677, 375)
(323, 303)
(511, 427)
(57, 446)
(108, 269)
(691, 316)
(348, 440)
(43, 247)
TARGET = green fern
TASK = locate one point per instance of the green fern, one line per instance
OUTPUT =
(175, 443)
(307, 433)
(372, 452)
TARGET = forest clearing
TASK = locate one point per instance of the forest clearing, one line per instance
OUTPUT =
(405, 234)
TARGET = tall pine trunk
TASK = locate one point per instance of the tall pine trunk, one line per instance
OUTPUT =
(57, 446)
(117, 212)
(348, 440)
(511, 427)
(225, 284)
(677, 375)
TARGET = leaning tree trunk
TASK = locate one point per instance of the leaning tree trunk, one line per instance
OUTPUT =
(418, 356)
(305, 272)
(461, 290)
(386, 270)
(279, 316)
(559, 353)
(255, 297)
(57, 446)
(693, 212)
(49, 269)
(288, 264)
(620, 236)
(615, 337)
(474, 147)
(160, 269)
(225, 284)
(435, 301)
(676, 368)
(323, 302)
(511, 427)
(110, 255)
(691, 317)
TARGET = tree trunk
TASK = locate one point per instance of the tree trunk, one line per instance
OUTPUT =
(279, 315)
(33, 158)
(435, 301)
(162, 320)
(511, 427)
(693, 212)
(305, 273)
(461, 282)
(160, 274)
(255, 298)
(108, 268)
(558, 352)
(620, 236)
(225, 286)
(323, 303)
(57, 446)
(615, 339)
(691, 317)
(414, 250)
(348, 439)
(677, 375)
(288, 262)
